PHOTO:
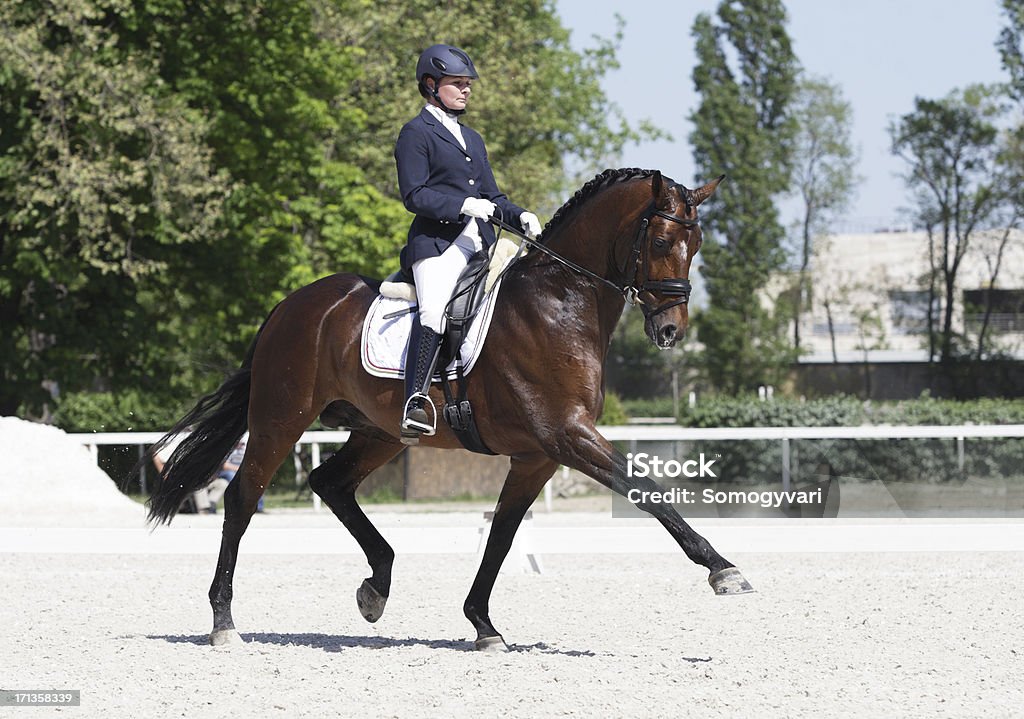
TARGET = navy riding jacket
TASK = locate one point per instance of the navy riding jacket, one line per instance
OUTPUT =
(435, 176)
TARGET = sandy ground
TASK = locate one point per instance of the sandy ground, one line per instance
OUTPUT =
(893, 634)
(847, 620)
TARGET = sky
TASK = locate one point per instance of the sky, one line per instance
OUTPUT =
(881, 53)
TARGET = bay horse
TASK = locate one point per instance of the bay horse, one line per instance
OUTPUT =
(537, 388)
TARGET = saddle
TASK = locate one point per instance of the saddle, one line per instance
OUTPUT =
(477, 279)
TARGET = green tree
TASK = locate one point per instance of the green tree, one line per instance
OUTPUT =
(952, 154)
(1009, 46)
(746, 76)
(824, 173)
(104, 178)
(171, 169)
(538, 103)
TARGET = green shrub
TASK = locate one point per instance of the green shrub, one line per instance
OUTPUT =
(121, 412)
(656, 407)
(919, 460)
(836, 411)
(613, 412)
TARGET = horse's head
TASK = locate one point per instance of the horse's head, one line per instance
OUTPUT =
(668, 239)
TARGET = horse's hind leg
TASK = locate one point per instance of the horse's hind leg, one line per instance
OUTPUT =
(335, 481)
(526, 478)
(263, 456)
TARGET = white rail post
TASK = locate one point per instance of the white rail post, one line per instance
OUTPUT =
(786, 478)
(142, 470)
(317, 503)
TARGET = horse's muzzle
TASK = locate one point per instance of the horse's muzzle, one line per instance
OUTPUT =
(665, 334)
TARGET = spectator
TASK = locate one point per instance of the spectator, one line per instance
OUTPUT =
(204, 501)
(233, 462)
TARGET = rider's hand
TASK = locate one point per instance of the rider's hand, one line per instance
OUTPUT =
(531, 225)
(478, 207)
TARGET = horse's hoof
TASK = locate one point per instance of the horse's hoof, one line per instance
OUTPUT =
(729, 581)
(371, 603)
(491, 645)
(225, 637)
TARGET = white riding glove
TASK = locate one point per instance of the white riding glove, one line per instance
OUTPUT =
(530, 224)
(478, 207)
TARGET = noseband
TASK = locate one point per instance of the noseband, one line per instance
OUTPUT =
(676, 287)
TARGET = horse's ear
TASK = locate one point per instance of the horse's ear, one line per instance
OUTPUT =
(702, 193)
(656, 184)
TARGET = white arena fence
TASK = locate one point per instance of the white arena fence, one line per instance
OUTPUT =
(632, 436)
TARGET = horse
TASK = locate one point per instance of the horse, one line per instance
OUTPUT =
(537, 388)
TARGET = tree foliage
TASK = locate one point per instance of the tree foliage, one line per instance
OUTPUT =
(746, 77)
(1010, 49)
(105, 180)
(952, 153)
(170, 169)
(824, 173)
(538, 103)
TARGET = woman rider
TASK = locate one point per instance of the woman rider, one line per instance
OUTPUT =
(446, 181)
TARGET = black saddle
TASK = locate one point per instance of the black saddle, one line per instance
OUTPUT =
(466, 301)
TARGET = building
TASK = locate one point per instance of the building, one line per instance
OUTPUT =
(866, 316)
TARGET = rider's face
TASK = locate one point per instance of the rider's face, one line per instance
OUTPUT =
(454, 91)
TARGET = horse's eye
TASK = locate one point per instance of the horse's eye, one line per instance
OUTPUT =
(659, 243)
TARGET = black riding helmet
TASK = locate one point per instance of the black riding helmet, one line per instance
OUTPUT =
(438, 61)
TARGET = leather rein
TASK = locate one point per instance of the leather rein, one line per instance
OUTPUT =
(675, 287)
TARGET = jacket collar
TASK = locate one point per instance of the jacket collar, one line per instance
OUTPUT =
(443, 132)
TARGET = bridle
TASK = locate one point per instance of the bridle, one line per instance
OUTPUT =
(674, 287)
(677, 288)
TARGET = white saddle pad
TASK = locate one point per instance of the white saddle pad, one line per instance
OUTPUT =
(384, 342)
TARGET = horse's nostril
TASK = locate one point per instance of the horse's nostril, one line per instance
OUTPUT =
(668, 332)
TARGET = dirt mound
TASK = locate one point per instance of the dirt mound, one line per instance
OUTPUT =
(49, 480)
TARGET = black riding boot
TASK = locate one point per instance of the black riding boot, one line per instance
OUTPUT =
(424, 348)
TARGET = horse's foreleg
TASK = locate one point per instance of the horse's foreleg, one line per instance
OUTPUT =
(525, 479)
(263, 456)
(335, 481)
(590, 453)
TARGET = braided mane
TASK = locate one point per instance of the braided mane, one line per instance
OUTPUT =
(603, 180)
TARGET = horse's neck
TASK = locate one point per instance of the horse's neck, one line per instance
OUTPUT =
(588, 242)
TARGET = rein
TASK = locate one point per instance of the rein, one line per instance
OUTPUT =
(554, 255)
(678, 287)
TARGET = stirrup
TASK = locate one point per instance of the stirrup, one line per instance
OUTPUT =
(411, 428)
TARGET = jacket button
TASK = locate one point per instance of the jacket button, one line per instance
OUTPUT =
(472, 182)
(468, 159)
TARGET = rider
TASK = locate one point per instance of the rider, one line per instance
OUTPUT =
(445, 179)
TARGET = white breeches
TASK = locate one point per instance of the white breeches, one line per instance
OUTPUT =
(436, 278)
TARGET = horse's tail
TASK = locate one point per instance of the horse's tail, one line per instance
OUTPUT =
(214, 426)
